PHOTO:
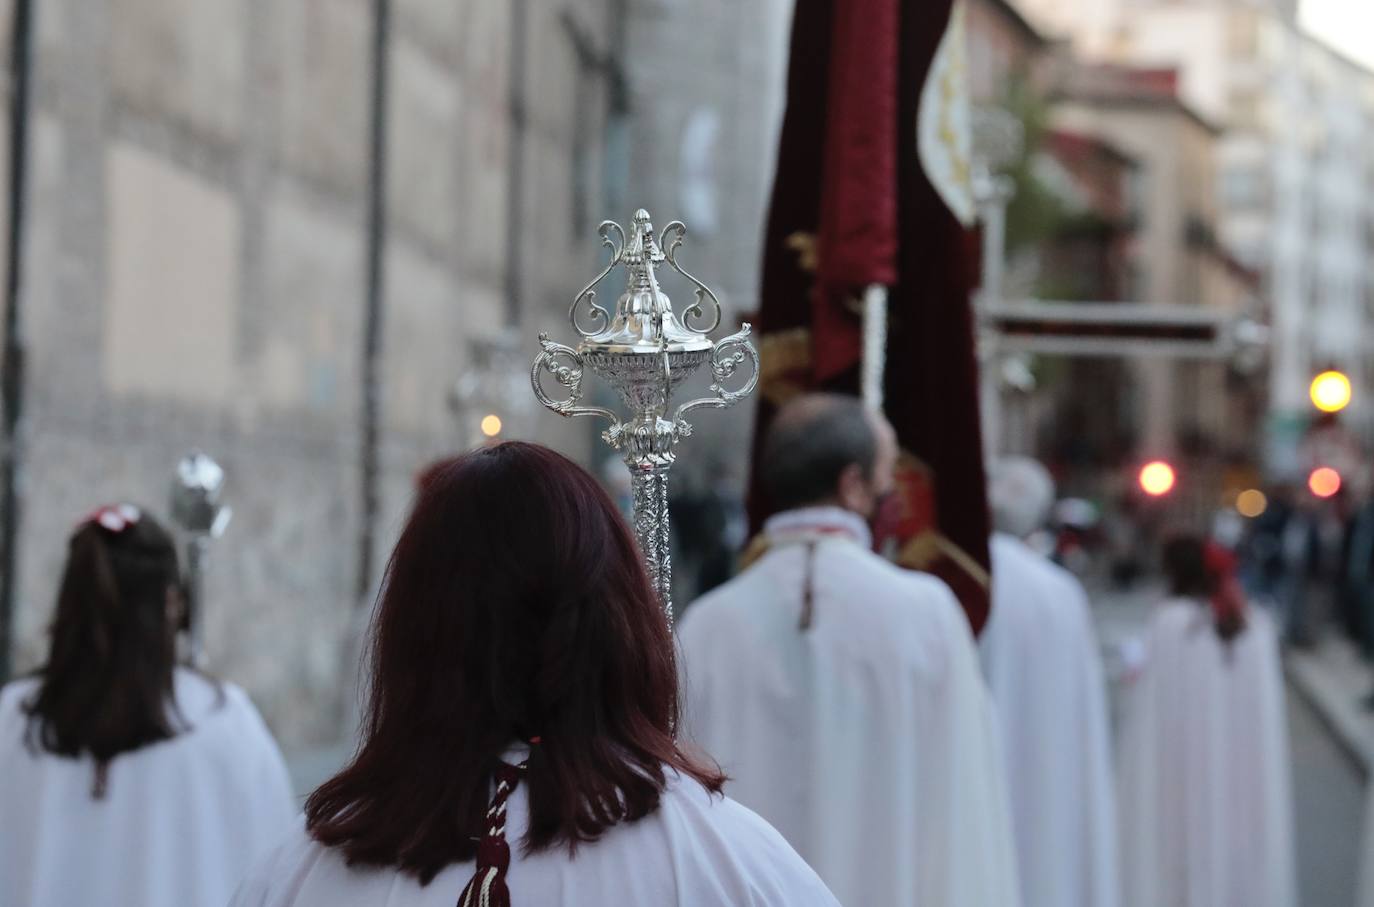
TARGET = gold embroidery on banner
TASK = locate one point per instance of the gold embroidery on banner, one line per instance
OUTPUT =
(782, 355)
(807, 249)
(922, 551)
(756, 549)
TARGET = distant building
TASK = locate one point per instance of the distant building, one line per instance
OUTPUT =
(1185, 407)
(1004, 49)
(1295, 172)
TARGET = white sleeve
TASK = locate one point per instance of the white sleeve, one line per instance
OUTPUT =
(972, 856)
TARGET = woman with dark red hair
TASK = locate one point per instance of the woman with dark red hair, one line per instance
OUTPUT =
(1204, 797)
(518, 747)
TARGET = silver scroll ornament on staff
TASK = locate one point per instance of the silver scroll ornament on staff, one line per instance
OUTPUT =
(196, 508)
(645, 351)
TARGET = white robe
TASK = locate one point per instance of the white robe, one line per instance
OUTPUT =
(868, 739)
(180, 823)
(1205, 797)
(696, 849)
(1044, 668)
(1365, 892)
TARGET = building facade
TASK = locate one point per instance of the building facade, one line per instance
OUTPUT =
(1295, 172)
(196, 277)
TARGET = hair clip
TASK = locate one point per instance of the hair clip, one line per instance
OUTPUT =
(114, 517)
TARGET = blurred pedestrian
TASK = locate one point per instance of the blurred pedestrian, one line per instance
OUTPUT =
(1044, 668)
(1204, 791)
(125, 779)
(518, 748)
(842, 694)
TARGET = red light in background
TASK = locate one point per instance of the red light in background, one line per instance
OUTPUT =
(1324, 482)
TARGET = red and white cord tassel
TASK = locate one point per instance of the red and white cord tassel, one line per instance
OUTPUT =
(488, 885)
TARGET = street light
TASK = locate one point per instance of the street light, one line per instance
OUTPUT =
(1324, 482)
(1157, 478)
(1330, 391)
(1251, 503)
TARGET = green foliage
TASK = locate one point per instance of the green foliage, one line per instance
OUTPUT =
(1036, 214)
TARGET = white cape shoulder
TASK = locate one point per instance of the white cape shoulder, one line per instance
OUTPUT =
(1044, 668)
(696, 849)
(1207, 716)
(191, 812)
(867, 738)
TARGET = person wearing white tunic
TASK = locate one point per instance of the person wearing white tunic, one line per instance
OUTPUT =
(125, 780)
(1044, 667)
(842, 694)
(1365, 882)
(1204, 796)
(518, 746)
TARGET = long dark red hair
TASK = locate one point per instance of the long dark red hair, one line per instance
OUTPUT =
(515, 606)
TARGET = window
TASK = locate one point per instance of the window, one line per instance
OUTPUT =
(1243, 187)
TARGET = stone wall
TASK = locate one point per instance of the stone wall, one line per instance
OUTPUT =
(196, 272)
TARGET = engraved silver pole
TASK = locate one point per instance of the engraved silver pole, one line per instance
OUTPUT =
(196, 508)
(644, 351)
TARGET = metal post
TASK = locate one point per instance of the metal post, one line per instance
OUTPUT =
(994, 193)
(13, 354)
(993, 208)
(373, 323)
(515, 160)
(197, 560)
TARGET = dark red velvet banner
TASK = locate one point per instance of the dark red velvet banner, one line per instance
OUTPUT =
(852, 206)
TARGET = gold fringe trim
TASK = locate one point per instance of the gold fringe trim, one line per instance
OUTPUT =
(922, 550)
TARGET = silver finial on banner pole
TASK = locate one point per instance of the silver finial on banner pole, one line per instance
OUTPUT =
(645, 351)
(196, 508)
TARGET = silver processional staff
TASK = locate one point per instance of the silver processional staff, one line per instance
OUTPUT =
(196, 508)
(645, 351)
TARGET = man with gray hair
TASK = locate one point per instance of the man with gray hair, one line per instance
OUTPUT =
(1043, 665)
(841, 693)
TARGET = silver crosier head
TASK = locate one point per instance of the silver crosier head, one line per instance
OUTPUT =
(644, 351)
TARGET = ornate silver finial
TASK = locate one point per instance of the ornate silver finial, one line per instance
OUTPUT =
(645, 351)
(196, 508)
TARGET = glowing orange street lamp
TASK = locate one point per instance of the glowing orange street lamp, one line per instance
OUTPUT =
(1251, 503)
(1157, 478)
(1330, 391)
(491, 425)
(1324, 482)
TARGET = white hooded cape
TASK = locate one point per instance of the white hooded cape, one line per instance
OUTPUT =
(867, 739)
(696, 849)
(1044, 668)
(1204, 797)
(1365, 896)
(180, 823)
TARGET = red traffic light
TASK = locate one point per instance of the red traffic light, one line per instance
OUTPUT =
(1324, 482)
(1157, 478)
